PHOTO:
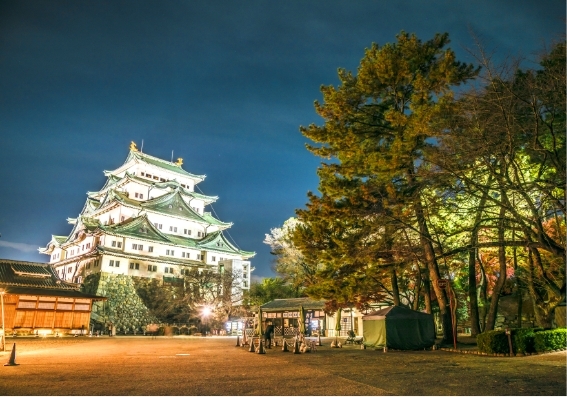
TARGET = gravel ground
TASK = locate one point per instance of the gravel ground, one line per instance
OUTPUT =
(214, 366)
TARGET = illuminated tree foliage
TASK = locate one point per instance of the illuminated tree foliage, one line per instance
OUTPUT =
(420, 186)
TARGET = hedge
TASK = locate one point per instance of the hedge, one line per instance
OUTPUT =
(551, 340)
(493, 342)
(524, 340)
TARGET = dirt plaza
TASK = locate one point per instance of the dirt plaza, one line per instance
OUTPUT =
(215, 366)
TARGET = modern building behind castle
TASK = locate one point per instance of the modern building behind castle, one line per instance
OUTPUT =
(147, 221)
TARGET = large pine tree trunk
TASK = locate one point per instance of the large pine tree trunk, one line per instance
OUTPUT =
(434, 275)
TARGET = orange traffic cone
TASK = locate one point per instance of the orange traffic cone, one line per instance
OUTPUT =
(12, 360)
(238, 341)
(261, 348)
(252, 349)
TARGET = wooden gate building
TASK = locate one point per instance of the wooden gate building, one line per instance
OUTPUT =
(36, 301)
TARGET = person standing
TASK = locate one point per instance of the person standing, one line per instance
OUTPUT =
(268, 335)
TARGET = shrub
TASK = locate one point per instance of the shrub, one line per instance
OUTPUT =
(493, 342)
(550, 340)
(523, 339)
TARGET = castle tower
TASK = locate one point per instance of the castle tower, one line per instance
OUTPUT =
(147, 221)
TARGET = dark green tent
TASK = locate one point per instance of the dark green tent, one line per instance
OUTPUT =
(399, 328)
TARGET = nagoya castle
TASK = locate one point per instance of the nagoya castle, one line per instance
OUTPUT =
(146, 222)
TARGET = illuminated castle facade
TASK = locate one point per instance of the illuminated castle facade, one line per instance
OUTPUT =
(147, 221)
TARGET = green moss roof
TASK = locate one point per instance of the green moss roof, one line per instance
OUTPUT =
(166, 165)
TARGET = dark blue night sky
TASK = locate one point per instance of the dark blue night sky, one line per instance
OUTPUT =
(224, 84)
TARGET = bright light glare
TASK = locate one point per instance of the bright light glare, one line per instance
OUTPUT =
(206, 311)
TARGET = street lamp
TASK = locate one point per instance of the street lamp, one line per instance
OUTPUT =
(2, 292)
(206, 311)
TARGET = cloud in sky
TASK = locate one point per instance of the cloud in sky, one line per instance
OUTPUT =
(19, 246)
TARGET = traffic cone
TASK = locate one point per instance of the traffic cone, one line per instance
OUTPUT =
(244, 339)
(261, 348)
(284, 348)
(12, 360)
(238, 341)
(319, 341)
(296, 347)
(252, 349)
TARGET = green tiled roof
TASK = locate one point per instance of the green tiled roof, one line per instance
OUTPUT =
(166, 165)
(59, 239)
(142, 229)
(217, 242)
(293, 304)
(139, 227)
(207, 217)
(172, 204)
(140, 257)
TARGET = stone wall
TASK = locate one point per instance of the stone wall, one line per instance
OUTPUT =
(124, 308)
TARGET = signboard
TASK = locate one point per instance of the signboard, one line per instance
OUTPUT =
(442, 283)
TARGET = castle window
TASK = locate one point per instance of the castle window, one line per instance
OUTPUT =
(119, 244)
(245, 284)
(117, 264)
(134, 246)
(141, 196)
(180, 208)
(170, 206)
(111, 263)
(113, 244)
(199, 234)
(88, 265)
(150, 249)
(140, 247)
(152, 268)
(156, 178)
(214, 258)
